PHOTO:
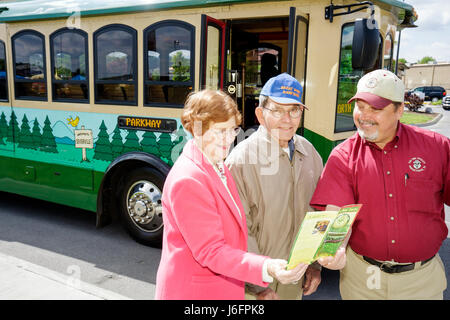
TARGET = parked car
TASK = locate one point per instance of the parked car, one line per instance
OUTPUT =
(446, 103)
(433, 93)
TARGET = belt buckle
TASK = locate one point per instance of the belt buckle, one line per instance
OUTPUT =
(386, 267)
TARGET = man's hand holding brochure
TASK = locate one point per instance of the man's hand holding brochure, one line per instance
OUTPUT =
(321, 235)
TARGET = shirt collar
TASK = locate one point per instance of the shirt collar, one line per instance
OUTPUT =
(400, 128)
(291, 146)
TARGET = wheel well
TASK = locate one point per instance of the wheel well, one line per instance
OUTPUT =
(106, 212)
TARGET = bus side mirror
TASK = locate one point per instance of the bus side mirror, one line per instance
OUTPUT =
(366, 42)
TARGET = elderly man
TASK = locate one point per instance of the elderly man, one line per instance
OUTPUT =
(401, 175)
(276, 172)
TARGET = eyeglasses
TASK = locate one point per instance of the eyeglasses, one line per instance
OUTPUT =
(230, 132)
(279, 113)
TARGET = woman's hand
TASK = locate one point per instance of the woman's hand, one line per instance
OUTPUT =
(277, 269)
(335, 263)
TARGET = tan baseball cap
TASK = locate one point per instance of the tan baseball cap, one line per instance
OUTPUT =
(380, 88)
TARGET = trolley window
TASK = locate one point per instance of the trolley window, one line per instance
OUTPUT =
(347, 81)
(115, 65)
(30, 80)
(69, 52)
(3, 77)
(169, 63)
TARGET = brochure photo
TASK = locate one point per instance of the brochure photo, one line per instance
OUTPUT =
(321, 234)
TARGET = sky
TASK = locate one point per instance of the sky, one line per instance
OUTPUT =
(432, 36)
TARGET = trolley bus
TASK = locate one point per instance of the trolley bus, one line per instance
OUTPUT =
(91, 92)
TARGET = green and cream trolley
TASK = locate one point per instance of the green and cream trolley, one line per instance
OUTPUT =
(91, 92)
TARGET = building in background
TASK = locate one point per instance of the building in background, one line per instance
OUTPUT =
(417, 75)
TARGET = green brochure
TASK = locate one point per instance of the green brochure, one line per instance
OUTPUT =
(321, 234)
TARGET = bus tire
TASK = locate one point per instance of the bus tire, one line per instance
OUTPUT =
(140, 206)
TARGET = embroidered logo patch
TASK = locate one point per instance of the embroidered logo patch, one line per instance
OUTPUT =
(417, 164)
(372, 83)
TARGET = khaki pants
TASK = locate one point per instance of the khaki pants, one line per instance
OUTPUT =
(361, 280)
(284, 291)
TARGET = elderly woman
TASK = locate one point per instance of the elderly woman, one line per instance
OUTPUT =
(204, 254)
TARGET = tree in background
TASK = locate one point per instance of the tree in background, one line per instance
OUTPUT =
(427, 59)
(180, 65)
(400, 60)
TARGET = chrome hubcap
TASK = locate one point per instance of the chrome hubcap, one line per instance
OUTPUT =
(144, 206)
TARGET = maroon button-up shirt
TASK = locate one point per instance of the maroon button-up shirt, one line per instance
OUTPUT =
(402, 187)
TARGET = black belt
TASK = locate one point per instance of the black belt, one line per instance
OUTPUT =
(396, 268)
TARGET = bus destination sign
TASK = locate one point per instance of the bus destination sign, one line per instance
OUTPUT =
(147, 124)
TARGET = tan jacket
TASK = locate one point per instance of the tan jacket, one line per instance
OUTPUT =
(275, 192)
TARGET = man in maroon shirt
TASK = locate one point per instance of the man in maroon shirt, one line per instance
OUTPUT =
(401, 175)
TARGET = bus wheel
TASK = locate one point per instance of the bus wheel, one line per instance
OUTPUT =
(140, 205)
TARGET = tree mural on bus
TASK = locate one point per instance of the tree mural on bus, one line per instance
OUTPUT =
(116, 143)
(13, 128)
(48, 143)
(131, 142)
(31, 136)
(165, 147)
(162, 147)
(25, 137)
(103, 150)
(36, 134)
(3, 128)
(180, 141)
(149, 143)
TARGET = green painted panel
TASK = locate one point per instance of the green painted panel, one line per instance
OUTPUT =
(56, 183)
(322, 144)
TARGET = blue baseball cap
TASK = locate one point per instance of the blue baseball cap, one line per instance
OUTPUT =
(283, 89)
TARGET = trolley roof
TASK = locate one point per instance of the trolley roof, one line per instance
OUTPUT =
(47, 9)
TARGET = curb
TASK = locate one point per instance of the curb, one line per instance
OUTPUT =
(429, 123)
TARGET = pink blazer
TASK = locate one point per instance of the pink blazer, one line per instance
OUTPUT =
(204, 254)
